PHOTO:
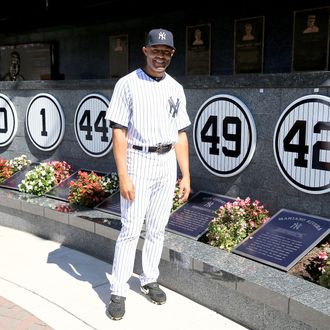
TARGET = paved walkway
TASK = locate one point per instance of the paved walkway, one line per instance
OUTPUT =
(14, 317)
(45, 286)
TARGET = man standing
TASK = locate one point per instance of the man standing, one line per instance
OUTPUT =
(149, 120)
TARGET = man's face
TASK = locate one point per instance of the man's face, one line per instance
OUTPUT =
(311, 21)
(14, 66)
(158, 57)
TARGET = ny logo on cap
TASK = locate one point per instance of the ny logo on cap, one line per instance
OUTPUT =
(162, 35)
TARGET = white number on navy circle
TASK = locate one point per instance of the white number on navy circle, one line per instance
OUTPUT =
(224, 135)
(8, 120)
(92, 130)
(302, 144)
(45, 122)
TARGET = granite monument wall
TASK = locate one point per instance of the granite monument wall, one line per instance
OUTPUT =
(265, 96)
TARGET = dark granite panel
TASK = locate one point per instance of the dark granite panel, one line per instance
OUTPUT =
(213, 294)
(7, 220)
(264, 154)
(222, 277)
(32, 208)
(265, 295)
(95, 245)
(20, 145)
(312, 307)
(275, 320)
(238, 307)
(9, 198)
(181, 260)
(99, 217)
(273, 279)
(57, 216)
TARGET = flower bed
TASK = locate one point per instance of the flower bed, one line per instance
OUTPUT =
(232, 222)
(236, 220)
(10, 167)
(90, 189)
(44, 177)
(5, 170)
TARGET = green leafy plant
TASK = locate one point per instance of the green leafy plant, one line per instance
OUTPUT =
(176, 198)
(324, 258)
(87, 190)
(18, 163)
(6, 170)
(39, 180)
(44, 177)
(62, 170)
(234, 221)
(110, 183)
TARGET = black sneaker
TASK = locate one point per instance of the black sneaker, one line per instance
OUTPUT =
(154, 293)
(116, 308)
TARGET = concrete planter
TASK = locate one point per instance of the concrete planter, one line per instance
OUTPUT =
(255, 295)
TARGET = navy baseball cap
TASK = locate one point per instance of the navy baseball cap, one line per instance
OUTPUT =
(160, 37)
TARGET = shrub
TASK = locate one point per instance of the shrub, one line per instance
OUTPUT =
(176, 198)
(87, 190)
(39, 180)
(324, 258)
(234, 221)
(110, 183)
(62, 170)
(6, 170)
(18, 163)
(44, 177)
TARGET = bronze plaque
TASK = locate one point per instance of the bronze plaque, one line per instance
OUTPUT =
(118, 56)
(34, 61)
(249, 45)
(310, 40)
(198, 50)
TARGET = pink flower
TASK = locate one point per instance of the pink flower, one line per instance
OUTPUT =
(323, 255)
(252, 224)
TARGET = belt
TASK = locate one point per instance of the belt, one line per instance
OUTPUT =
(159, 148)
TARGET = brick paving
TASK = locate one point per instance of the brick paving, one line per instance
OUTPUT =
(13, 317)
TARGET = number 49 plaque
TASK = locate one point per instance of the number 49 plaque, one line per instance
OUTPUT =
(224, 135)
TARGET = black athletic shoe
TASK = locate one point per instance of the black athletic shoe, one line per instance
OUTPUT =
(154, 293)
(116, 308)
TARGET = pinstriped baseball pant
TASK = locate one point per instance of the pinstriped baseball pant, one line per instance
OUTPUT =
(154, 176)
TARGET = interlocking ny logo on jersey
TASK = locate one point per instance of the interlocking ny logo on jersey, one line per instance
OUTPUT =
(162, 36)
(174, 107)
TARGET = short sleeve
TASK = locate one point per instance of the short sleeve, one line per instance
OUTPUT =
(119, 108)
(183, 120)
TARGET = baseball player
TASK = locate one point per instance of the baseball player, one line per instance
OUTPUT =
(148, 116)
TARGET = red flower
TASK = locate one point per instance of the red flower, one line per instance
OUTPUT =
(86, 190)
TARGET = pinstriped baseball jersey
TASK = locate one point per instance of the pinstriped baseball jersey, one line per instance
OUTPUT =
(153, 111)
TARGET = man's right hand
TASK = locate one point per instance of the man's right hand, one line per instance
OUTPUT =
(127, 189)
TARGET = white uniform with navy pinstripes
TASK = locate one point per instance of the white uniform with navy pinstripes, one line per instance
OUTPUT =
(153, 112)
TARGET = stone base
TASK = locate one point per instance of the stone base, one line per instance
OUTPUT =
(250, 293)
